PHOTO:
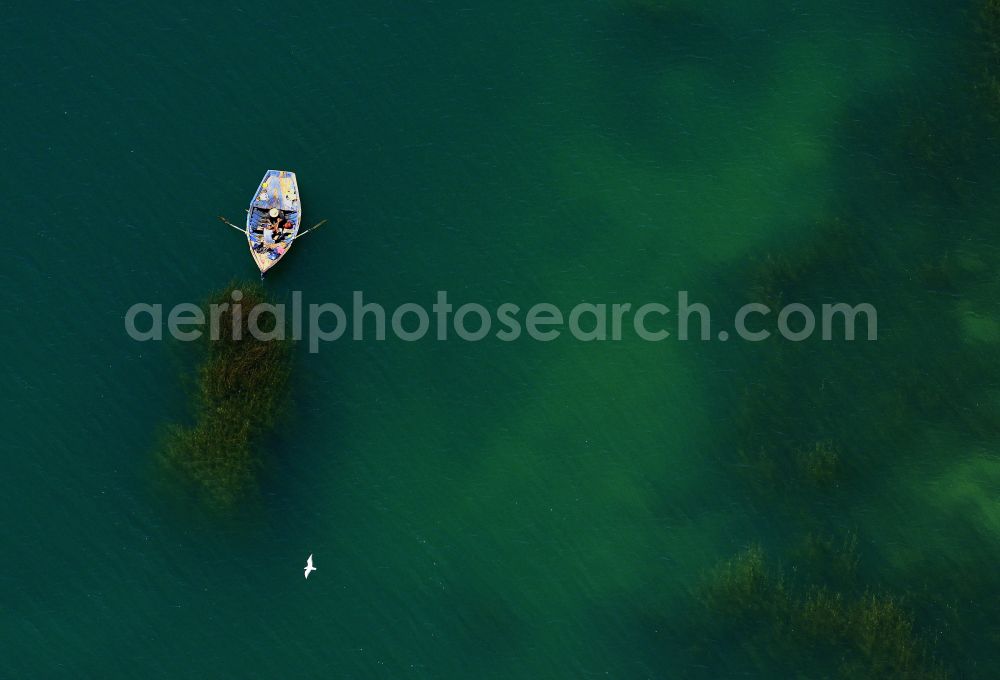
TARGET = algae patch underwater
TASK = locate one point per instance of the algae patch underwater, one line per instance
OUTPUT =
(884, 448)
(240, 387)
(809, 628)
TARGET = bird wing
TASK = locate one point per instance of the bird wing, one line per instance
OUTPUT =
(309, 562)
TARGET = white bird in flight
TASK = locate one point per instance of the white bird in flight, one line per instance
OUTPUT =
(309, 566)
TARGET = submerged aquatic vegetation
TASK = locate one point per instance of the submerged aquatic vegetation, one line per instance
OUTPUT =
(777, 448)
(780, 276)
(921, 205)
(827, 558)
(812, 627)
(742, 586)
(820, 463)
(240, 387)
(813, 412)
(988, 28)
(939, 274)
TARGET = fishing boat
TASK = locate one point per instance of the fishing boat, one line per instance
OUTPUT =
(274, 218)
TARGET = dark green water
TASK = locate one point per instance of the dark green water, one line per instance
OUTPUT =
(506, 509)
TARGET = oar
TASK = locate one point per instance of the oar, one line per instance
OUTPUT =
(225, 221)
(312, 228)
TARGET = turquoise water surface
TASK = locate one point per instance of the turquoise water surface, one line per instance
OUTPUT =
(623, 509)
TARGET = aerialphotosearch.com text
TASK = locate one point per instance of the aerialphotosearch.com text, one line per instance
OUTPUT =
(363, 319)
